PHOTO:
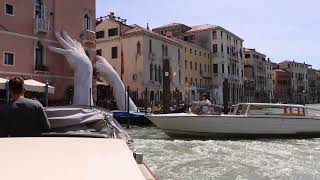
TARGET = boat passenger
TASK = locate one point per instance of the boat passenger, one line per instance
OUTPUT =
(22, 117)
(205, 100)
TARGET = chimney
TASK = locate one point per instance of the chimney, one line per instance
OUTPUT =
(111, 16)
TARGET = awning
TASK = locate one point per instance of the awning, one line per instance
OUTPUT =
(36, 86)
(3, 83)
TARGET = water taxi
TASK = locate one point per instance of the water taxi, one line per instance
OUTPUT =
(248, 119)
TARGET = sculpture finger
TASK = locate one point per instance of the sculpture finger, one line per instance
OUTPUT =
(78, 44)
(58, 50)
(67, 38)
(62, 42)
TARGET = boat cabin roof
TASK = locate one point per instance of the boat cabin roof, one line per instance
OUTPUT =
(273, 105)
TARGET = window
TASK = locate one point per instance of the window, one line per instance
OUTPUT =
(190, 51)
(151, 72)
(166, 51)
(155, 73)
(99, 52)
(222, 68)
(39, 55)
(179, 76)
(9, 58)
(228, 50)
(160, 73)
(247, 56)
(221, 47)
(195, 52)
(112, 32)
(214, 48)
(100, 34)
(215, 68)
(138, 47)
(185, 64)
(228, 69)
(186, 79)
(87, 22)
(205, 68)
(114, 52)
(214, 34)
(195, 66)
(200, 53)
(9, 9)
(179, 56)
(39, 9)
(191, 65)
(264, 110)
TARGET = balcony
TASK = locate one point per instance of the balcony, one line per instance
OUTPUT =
(88, 37)
(42, 68)
(41, 25)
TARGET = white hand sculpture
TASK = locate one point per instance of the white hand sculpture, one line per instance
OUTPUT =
(106, 70)
(81, 65)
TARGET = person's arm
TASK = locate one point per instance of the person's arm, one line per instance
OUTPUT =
(44, 122)
(3, 125)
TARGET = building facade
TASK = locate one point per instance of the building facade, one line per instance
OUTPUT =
(262, 75)
(249, 84)
(138, 54)
(281, 83)
(27, 29)
(298, 80)
(197, 72)
(226, 52)
(312, 86)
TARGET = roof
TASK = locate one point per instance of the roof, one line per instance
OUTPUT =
(170, 25)
(204, 27)
(279, 70)
(271, 104)
(138, 29)
(288, 61)
(188, 43)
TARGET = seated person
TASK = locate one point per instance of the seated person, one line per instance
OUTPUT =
(22, 117)
(205, 100)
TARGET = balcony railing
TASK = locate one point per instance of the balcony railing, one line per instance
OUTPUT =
(41, 25)
(41, 68)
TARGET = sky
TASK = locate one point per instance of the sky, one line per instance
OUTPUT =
(280, 29)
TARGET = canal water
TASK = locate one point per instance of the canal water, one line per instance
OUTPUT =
(297, 159)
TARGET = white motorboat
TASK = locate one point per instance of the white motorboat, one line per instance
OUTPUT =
(245, 119)
(84, 143)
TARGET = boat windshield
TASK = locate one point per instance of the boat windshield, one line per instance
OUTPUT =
(276, 110)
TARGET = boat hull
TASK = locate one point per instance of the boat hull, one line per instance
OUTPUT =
(185, 125)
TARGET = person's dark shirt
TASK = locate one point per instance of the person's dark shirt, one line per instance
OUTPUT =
(23, 118)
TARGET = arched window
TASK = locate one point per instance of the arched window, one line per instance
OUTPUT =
(163, 53)
(160, 73)
(151, 71)
(166, 51)
(155, 73)
(87, 22)
(39, 56)
(39, 8)
(138, 47)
